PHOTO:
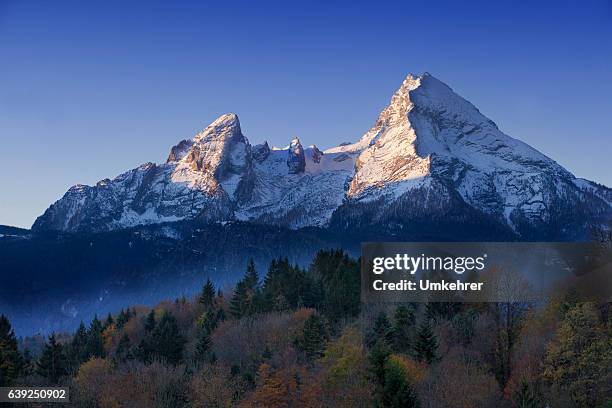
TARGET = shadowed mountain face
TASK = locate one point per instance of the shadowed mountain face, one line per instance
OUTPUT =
(432, 168)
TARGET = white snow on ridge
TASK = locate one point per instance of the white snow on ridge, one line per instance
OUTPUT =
(316, 192)
(130, 218)
(427, 135)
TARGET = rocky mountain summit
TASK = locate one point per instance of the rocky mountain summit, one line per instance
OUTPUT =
(431, 158)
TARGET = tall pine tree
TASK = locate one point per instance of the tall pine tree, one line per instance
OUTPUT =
(77, 352)
(336, 284)
(239, 303)
(28, 362)
(203, 345)
(123, 348)
(377, 361)
(11, 361)
(52, 363)
(95, 343)
(207, 297)
(251, 277)
(286, 286)
(208, 321)
(313, 338)
(381, 330)
(149, 323)
(397, 391)
(166, 342)
(109, 321)
(426, 346)
(247, 295)
(122, 318)
(403, 329)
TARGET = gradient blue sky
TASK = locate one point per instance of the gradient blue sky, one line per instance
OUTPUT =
(90, 89)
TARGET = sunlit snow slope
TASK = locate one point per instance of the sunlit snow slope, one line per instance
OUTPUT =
(428, 143)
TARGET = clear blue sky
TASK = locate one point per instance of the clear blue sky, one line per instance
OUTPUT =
(89, 89)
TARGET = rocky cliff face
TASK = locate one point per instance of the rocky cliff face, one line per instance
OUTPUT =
(430, 155)
(295, 157)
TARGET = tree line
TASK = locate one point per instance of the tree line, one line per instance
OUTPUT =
(300, 337)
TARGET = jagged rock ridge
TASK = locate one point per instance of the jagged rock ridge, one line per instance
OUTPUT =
(428, 143)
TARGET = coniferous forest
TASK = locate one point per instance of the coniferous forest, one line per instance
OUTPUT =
(294, 337)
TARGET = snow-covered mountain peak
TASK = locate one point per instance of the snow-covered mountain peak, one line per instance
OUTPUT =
(427, 125)
(395, 113)
(218, 155)
(222, 127)
(429, 153)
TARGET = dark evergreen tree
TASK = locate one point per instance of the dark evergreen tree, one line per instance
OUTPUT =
(208, 321)
(77, 351)
(123, 349)
(276, 282)
(246, 300)
(166, 342)
(144, 351)
(397, 392)
(381, 330)
(403, 330)
(426, 346)
(220, 315)
(149, 323)
(312, 295)
(95, 343)
(313, 338)
(251, 277)
(52, 364)
(239, 303)
(28, 362)
(207, 297)
(203, 345)
(109, 321)
(11, 361)
(122, 319)
(336, 286)
(281, 304)
(377, 360)
(287, 286)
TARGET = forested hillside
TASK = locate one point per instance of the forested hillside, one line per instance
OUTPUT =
(295, 337)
